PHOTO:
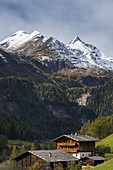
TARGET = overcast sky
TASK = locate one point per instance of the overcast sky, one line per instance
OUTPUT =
(91, 20)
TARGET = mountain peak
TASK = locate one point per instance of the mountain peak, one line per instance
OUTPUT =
(35, 33)
(19, 38)
(20, 32)
(75, 40)
(52, 39)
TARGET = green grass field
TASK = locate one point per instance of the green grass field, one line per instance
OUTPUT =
(108, 141)
(19, 142)
(107, 165)
(109, 156)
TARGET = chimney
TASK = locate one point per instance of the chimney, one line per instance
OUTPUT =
(49, 154)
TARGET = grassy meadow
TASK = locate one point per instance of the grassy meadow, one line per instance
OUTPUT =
(18, 142)
(108, 141)
(107, 165)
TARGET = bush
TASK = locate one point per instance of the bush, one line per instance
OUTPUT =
(102, 149)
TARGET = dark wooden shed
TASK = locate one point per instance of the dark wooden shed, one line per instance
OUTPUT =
(48, 157)
(92, 160)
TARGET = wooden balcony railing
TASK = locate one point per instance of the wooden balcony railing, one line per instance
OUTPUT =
(66, 144)
(69, 150)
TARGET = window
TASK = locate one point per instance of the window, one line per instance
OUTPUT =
(76, 145)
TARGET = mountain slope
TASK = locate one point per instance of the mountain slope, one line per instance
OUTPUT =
(108, 141)
(44, 82)
(22, 112)
(102, 98)
(33, 100)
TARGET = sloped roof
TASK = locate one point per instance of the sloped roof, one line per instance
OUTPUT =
(78, 138)
(96, 158)
(50, 155)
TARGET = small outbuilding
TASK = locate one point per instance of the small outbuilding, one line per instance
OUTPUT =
(92, 160)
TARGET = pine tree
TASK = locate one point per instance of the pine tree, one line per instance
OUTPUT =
(33, 146)
(22, 149)
(14, 152)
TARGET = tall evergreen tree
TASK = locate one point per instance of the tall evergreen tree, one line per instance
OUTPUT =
(14, 152)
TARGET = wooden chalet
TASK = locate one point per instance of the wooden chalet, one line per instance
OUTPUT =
(47, 158)
(76, 143)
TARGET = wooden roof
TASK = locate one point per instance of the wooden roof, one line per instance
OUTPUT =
(94, 158)
(78, 138)
(49, 155)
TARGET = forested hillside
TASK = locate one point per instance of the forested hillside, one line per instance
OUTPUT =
(101, 100)
(25, 116)
(99, 128)
(28, 106)
(34, 109)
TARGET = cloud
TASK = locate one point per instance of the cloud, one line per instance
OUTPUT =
(63, 19)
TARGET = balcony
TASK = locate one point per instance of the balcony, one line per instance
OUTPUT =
(69, 149)
(66, 144)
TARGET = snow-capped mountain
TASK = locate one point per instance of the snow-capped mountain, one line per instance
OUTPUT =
(19, 38)
(75, 54)
(90, 55)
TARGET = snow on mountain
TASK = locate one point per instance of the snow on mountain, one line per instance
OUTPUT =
(77, 52)
(80, 54)
(59, 48)
(89, 55)
(18, 39)
(3, 58)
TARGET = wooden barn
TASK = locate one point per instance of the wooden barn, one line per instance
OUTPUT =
(47, 158)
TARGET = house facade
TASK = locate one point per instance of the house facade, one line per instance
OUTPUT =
(79, 145)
